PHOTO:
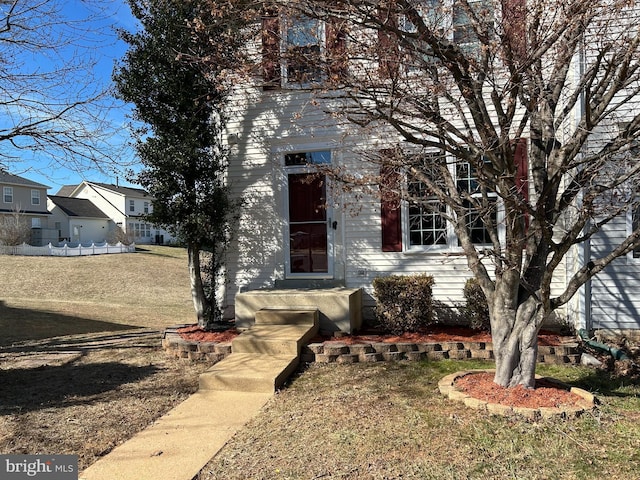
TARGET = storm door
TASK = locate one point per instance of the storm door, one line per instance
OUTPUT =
(309, 248)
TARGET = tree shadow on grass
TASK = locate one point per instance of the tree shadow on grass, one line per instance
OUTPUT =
(604, 382)
(50, 387)
(21, 325)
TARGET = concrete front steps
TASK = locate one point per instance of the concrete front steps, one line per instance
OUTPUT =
(233, 391)
(264, 356)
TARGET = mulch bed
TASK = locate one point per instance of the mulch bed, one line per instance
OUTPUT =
(435, 334)
(545, 394)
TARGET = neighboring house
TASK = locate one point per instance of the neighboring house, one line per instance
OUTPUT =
(77, 220)
(125, 206)
(28, 198)
(287, 239)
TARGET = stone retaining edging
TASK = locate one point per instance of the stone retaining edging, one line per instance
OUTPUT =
(176, 346)
(447, 388)
(340, 352)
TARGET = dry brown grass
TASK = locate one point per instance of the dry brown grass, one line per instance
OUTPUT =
(361, 421)
(81, 367)
(388, 421)
(46, 296)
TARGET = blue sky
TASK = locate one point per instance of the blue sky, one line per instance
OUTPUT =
(100, 41)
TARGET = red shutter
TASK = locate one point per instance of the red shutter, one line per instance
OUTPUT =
(388, 48)
(391, 217)
(270, 50)
(514, 13)
(336, 49)
(522, 167)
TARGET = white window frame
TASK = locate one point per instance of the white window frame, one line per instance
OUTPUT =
(36, 222)
(287, 21)
(35, 197)
(132, 205)
(146, 207)
(7, 192)
(446, 10)
(452, 243)
(630, 217)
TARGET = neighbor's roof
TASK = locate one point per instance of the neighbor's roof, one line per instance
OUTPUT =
(10, 179)
(77, 207)
(127, 191)
(66, 190)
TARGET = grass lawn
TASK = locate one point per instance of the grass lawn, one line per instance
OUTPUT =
(360, 421)
(49, 296)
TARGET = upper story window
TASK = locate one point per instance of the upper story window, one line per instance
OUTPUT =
(300, 51)
(464, 33)
(304, 42)
(146, 207)
(36, 223)
(35, 197)
(132, 205)
(7, 194)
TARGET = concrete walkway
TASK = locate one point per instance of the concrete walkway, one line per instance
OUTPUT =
(233, 391)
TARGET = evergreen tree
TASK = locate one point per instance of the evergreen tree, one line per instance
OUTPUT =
(175, 73)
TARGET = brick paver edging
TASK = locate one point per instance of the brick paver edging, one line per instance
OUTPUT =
(332, 351)
(587, 400)
(339, 352)
(178, 347)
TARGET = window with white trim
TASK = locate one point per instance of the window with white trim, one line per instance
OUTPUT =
(132, 205)
(35, 197)
(444, 16)
(467, 181)
(303, 49)
(36, 222)
(426, 226)
(146, 207)
(7, 194)
(633, 223)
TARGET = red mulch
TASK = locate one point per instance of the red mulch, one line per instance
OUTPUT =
(546, 394)
(435, 334)
(196, 334)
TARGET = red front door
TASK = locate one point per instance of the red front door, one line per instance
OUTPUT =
(308, 243)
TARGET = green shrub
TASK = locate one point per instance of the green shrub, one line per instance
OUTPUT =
(404, 303)
(476, 309)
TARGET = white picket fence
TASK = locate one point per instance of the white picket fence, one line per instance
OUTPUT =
(67, 250)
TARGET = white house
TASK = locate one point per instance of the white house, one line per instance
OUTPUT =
(125, 206)
(297, 233)
(79, 221)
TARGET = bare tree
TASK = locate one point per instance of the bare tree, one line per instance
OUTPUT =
(53, 104)
(14, 228)
(513, 124)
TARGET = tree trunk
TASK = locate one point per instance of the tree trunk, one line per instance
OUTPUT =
(197, 289)
(515, 342)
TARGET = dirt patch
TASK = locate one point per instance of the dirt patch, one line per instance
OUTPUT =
(545, 394)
